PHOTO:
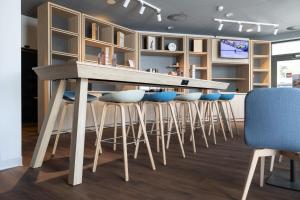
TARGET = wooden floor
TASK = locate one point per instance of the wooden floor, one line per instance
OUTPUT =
(216, 173)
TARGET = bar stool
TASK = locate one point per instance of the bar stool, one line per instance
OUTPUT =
(189, 100)
(158, 100)
(69, 99)
(225, 104)
(210, 104)
(122, 100)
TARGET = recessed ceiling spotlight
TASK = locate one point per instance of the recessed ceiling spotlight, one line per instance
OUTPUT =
(293, 28)
(176, 17)
(228, 15)
(170, 27)
(111, 2)
(220, 8)
(249, 30)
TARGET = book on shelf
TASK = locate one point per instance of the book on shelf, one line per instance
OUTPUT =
(198, 46)
(95, 31)
(120, 39)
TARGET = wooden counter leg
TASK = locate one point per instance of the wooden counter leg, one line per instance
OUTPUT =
(78, 133)
(48, 125)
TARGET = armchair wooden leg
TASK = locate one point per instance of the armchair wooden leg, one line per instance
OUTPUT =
(262, 171)
(257, 153)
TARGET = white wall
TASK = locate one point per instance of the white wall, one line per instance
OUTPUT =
(29, 32)
(10, 84)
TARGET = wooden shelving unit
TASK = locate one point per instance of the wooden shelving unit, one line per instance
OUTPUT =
(201, 59)
(260, 64)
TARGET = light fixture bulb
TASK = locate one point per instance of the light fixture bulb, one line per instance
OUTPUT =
(126, 3)
(159, 17)
(142, 10)
(275, 30)
(220, 26)
(240, 27)
(258, 28)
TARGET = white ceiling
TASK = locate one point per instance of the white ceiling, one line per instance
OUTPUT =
(200, 15)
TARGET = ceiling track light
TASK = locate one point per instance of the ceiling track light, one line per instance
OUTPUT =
(145, 4)
(142, 9)
(220, 26)
(240, 27)
(158, 17)
(241, 23)
(276, 30)
(126, 3)
(258, 28)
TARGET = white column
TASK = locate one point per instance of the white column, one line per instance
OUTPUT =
(10, 84)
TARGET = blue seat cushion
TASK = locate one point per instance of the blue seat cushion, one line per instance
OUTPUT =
(160, 96)
(128, 96)
(70, 96)
(210, 97)
(227, 97)
(189, 97)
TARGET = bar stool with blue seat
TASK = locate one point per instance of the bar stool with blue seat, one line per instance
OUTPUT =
(209, 103)
(225, 104)
(158, 100)
(69, 99)
(271, 125)
(123, 99)
(189, 100)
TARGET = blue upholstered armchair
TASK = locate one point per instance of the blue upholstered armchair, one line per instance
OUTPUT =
(272, 123)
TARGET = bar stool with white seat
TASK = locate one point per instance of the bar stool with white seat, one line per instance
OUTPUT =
(158, 100)
(225, 102)
(210, 104)
(69, 99)
(122, 100)
(189, 100)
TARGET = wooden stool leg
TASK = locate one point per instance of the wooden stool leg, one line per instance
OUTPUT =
(140, 114)
(115, 129)
(177, 128)
(131, 123)
(169, 132)
(61, 122)
(211, 113)
(144, 109)
(228, 118)
(124, 136)
(201, 123)
(220, 119)
(158, 129)
(161, 120)
(183, 125)
(192, 126)
(99, 138)
(234, 121)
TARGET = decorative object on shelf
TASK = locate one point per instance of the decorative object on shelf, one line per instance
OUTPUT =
(152, 70)
(99, 56)
(131, 63)
(114, 60)
(193, 71)
(104, 56)
(94, 31)
(172, 73)
(151, 43)
(120, 39)
(198, 45)
(172, 46)
(241, 23)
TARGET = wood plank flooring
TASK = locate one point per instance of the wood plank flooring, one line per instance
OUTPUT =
(216, 173)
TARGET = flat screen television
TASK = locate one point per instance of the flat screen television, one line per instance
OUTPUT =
(234, 49)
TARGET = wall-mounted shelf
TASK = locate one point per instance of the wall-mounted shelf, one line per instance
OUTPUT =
(230, 79)
(261, 63)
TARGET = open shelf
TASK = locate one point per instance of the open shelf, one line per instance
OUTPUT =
(123, 49)
(161, 52)
(261, 84)
(97, 43)
(64, 32)
(65, 19)
(230, 79)
(260, 70)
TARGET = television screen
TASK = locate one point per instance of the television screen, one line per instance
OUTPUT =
(234, 49)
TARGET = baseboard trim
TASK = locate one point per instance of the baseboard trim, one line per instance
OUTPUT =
(6, 164)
